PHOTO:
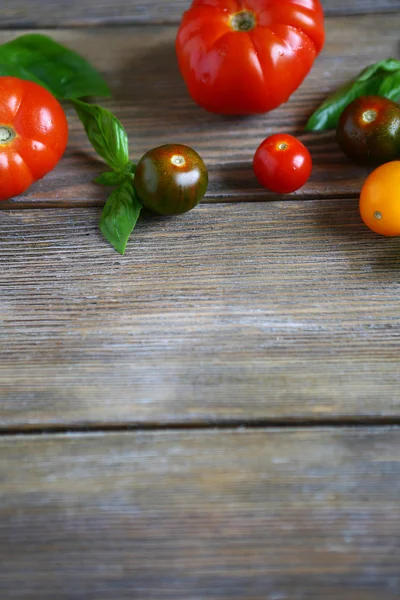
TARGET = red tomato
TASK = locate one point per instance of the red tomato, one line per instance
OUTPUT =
(282, 164)
(33, 134)
(248, 56)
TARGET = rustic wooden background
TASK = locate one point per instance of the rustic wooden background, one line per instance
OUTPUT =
(216, 414)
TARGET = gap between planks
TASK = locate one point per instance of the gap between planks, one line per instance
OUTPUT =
(8, 206)
(228, 425)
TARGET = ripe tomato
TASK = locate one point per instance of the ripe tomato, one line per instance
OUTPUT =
(369, 130)
(380, 200)
(248, 56)
(33, 134)
(282, 164)
(171, 179)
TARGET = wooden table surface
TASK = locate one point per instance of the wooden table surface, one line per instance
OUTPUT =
(216, 414)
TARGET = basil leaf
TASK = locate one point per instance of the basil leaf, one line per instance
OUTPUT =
(106, 134)
(64, 73)
(379, 79)
(120, 215)
(111, 178)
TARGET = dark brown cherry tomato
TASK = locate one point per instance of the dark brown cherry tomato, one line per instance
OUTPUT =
(369, 130)
(171, 179)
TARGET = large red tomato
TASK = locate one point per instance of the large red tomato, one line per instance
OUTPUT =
(248, 56)
(33, 134)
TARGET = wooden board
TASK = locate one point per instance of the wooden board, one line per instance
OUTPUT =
(139, 63)
(249, 311)
(285, 310)
(236, 514)
(76, 13)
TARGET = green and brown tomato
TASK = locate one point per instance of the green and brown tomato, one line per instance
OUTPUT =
(171, 179)
(369, 130)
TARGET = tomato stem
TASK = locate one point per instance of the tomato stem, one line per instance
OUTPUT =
(245, 20)
(369, 115)
(7, 134)
(177, 160)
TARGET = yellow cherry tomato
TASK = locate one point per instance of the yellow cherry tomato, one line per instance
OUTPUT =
(380, 200)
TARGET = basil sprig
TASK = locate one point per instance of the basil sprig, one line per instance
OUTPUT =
(64, 73)
(120, 215)
(379, 79)
(108, 137)
(110, 178)
(105, 133)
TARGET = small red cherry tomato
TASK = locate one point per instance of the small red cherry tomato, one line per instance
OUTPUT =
(282, 164)
(33, 134)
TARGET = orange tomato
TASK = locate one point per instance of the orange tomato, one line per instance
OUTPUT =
(380, 200)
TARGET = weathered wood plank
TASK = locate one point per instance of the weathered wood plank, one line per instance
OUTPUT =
(250, 515)
(140, 65)
(286, 310)
(77, 13)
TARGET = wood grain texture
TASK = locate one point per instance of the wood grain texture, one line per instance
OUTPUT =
(78, 13)
(150, 98)
(299, 515)
(284, 310)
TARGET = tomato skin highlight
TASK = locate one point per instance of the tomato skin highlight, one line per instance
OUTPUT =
(380, 200)
(248, 56)
(282, 164)
(38, 131)
(171, 179)
(369, 130)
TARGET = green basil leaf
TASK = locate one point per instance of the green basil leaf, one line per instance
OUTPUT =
(111, 178)
(64, 73)
(106, 134)
(389, 65)
(379, 79)
(120, 215)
